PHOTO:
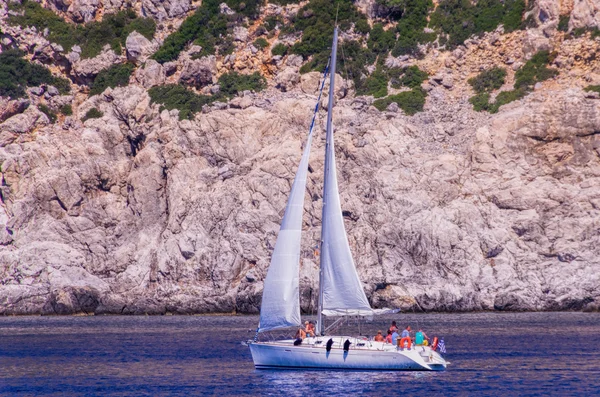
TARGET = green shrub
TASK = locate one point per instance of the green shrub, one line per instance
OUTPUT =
(48, 112)
(17, 73)
(413, 77)
(480, 101)
(261, 43)
(204, 27)
(62, 85)
(279, 49)
(505, 97)
(409, 101)
(535, 70)
(67, 110)
(563, 23)
(594, 32)
(93, 113)
(91, 37)
(375, 84)
(272, 21)
(488, 80)
(461, 19)
(175, 96)
(592, 88)
(381, 41)
(208, 28)
(316, 21)
(233, 83)
(412, 19)
(114, 76)
(362, 26)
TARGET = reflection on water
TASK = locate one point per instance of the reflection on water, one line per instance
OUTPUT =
(491, 354)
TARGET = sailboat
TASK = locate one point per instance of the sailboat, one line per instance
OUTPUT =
(340, 290)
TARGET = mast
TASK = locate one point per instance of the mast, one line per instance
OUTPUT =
(328, 139)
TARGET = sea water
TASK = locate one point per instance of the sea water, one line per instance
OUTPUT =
(491, 354)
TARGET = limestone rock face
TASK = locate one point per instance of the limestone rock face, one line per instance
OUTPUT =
(138, 47)
(199, 72)
(84, 69)
(139, 212)
(165, 9)
(83, 11)
(152, 74)
(586, 13)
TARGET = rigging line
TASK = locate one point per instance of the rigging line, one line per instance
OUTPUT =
(312, 123)
(337, 13)
(348, 77)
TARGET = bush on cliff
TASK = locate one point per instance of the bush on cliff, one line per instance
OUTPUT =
(175, 96)
(114, 76)
(461, 19)
(48, 112)
(93, 113)
(409, 101)
(91, 37)
(488, 80)
(208, 28)
(233, 83)
(279, 49)
(16, 74)
(534, 71)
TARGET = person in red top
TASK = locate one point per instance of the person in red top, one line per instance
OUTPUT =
(393, 327)
(388, 338)
(310, 329)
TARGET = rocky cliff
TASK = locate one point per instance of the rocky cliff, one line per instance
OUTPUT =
(136, 210)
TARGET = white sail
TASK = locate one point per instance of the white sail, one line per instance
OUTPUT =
(281, 296)
(341, 290)
(343, 293)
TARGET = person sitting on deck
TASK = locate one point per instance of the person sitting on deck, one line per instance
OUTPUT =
(406, 332)
(379, 337)
(300, 334)
(421, 338)
(388, 338)
(393, 327)
(310, 328)
(395, 337)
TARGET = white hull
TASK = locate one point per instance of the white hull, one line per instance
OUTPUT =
(362, 355)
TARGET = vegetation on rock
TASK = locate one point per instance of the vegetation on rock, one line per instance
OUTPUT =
(563, 23)
(488, 80)
(534, 71)
(460, 19)
(91, 37)
(279, 49)
(592, 88)
(93, 113)
(261, 43)
(410, 102)
(114, 76)
(17, 73)
(233, 83)
(67, 110)
(208, 28)
(175, 96)
(48, 112)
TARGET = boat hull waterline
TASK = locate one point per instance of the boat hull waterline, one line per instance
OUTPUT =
(371, 356)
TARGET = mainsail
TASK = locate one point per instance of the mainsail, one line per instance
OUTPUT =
(341, 290)
(281, 294)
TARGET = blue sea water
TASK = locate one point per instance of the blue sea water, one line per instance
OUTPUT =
(491, 354)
